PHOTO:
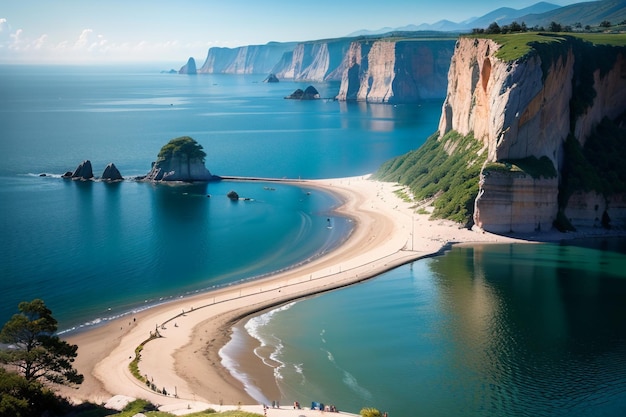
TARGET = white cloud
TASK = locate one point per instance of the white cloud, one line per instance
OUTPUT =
(4, 24)
(83, 39)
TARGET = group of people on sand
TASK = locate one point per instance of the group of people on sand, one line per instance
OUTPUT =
(320, 406)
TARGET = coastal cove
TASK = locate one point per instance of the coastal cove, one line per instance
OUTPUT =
(328, 287)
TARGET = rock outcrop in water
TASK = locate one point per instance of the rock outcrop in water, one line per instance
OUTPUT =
(272, 78)
(310, 93)
(111, 173)
(181, 159)
(189, 67)
(83, 171)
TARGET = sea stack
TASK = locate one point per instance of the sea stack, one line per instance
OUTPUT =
(111, 173)
(189, 67)
(82, 172)
(181, 159)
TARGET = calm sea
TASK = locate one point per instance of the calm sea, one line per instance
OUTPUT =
(93, 251)
(490, 330)
(487, 331)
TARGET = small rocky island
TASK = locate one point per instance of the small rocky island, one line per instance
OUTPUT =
(181, 159)
(310, 93)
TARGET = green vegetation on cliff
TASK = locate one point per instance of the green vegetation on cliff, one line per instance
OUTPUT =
(536, 168)
(446, 170)
(516, 46)
(598, 166)
(183, 145)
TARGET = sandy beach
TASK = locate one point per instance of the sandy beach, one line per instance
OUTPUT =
(185, 360)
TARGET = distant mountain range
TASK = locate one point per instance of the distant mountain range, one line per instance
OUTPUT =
(540, 14)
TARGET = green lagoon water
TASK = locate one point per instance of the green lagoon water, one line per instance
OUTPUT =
(489, 330)
(484, 331)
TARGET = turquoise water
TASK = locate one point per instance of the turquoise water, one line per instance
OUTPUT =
(495, 330)
(491, 330)
(94, 251)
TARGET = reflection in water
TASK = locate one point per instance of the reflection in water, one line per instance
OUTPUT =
(540, 335)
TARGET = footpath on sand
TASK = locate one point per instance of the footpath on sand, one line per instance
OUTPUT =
(184, 361)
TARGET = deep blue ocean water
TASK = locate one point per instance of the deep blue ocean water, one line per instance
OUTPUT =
(496, 331)
(95, 250)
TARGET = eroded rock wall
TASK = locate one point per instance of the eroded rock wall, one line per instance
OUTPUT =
(179, 168)
(520, 109)
(314, 61)
(251, 59)
(387, 71)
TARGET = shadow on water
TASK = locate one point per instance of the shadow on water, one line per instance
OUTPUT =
(541, 325)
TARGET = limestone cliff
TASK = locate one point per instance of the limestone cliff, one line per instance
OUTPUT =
(319, 60)
(388, 71)
(251, 59)
(528, 107)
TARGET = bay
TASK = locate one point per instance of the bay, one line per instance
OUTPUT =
(497, 330)
(94, 251)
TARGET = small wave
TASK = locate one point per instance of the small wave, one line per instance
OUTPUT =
(233, 368)
(353, 384)
(254, 325)
(330, 356)
(41, 175)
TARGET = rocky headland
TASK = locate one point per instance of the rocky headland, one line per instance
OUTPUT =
(394, 68)
(537, 136)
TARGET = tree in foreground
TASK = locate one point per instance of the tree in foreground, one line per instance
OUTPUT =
(34, 349)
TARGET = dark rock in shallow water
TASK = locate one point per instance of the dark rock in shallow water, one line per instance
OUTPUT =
(82, 171)
(272, 78)
(111, 173)
(310, 93)
(233, 195)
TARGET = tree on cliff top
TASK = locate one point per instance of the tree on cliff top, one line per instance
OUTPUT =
(182, 146)
(34, 349)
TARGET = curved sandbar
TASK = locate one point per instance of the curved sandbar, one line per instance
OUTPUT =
(185, 360)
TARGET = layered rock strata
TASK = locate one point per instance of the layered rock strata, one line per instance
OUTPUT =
(524, 108)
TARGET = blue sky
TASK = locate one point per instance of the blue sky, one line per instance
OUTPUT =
(84, 31)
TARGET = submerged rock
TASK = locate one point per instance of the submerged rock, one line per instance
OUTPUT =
(111, 173)
(233, 195)
(181, 159)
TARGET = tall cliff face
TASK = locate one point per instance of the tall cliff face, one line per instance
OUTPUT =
(388, 71)
(314, 61)
(251, 59)
(528, 107)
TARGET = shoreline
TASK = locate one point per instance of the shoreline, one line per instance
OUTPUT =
(186, 360)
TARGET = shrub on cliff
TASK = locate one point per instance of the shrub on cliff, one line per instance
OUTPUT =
(446, 170)
(183, 145)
